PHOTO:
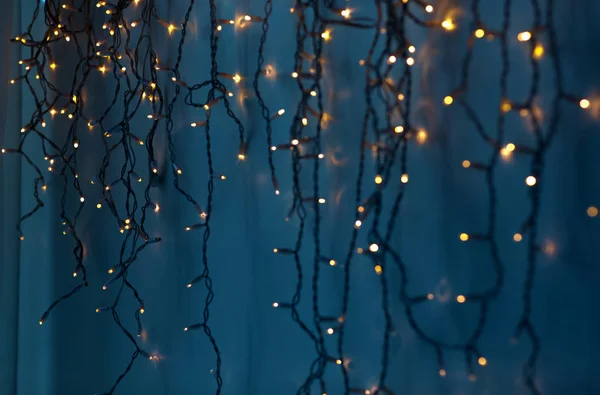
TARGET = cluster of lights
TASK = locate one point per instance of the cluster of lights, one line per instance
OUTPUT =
(304, 143)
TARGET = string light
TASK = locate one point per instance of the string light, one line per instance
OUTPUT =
(389, 150)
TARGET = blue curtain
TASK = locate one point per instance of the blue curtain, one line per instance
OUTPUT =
(78, 351)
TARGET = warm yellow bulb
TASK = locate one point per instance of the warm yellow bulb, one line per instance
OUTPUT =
(410, 61)
(461, 299)
(392, 59)
(524, 36)
(358, 223)
(421, 136)
(399, 129)
(430, 296)
(592, 211)
(505, 106)
(346, 13)
(378, 179)
(584, 103)
(479, 33)
(510, 147)
(466, 164)
(332, 262)
(538, 51)
(530, 181)
(326, 35)
(443, 372)
(330, 331)
(517, 237)
(236, 78)
(378, 269)
(429, 8)
(448, 100)
(411, 49)
(404, 178)
(373, 247)
(482, 361)
(448, 24)
(464, 237)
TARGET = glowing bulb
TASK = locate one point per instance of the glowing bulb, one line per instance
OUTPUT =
(592, 211)
(466, 164)
(378, 179)
(448, 100)
(430, 296)
(332, 262)
(373, 247)
(275, 304)
(142, 310)
(346, 13)
(294, 75)
(510, 147)
(461, 299)
(330, 331)
(517, 237)
(358, 224)
(82, 199)
(322, 201)
(448, 24)
(338, 361)
(479, 33)
(410, 61)
(538, 51)
(429, 8)
(392, 59)
(99, 205)
(281, 112)
(295, 142)
(76, 144)
(399, 129)
(304, 121)
(524, 36)
(326, 35)
(53, 66)
(505, 106)
(236, 78)
(378, 269)
(464, 237)
(584, 103)
(482, 361)
(404, 178)
(530, 181)
(422, 136)
(443, 372)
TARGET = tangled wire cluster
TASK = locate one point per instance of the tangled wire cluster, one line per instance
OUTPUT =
(117, 40)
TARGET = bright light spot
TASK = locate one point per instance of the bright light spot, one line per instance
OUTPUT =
(517, 237)
(584, 103)
(373, 247)
(524, 36)
(464, 237)
(461, 299)
(448, 24)
(479, 33)
(404, 178)
(466, 164)
(448, 100)
(592, 211)
(530, 181)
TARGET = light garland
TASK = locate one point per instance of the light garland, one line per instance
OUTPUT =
(121, 47)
